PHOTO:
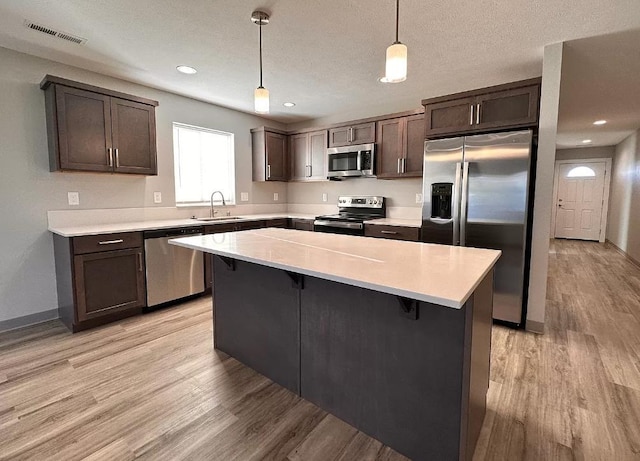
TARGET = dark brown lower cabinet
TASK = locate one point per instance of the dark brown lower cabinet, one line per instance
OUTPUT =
(108, 282)
(301, 224)
(100, 278)
(278, 222)
(392, 232)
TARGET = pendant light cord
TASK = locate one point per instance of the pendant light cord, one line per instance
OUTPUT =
(261, 53)
(397, 19)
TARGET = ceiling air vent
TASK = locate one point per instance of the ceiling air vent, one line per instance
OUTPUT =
(55, 33)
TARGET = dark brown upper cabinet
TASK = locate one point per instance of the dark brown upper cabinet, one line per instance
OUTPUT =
(400, 147)
(308, 153)
(363, 133)
(269, 151)
(95, 129)
(513, 105)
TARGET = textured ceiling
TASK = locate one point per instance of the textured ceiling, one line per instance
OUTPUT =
(325, 56)
(600, 81)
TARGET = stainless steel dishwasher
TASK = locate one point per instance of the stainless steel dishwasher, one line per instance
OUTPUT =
(172, 272)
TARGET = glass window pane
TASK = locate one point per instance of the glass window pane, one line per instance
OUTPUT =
(204, 162)
(581, 172)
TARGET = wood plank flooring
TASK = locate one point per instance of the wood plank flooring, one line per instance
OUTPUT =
(152, 387)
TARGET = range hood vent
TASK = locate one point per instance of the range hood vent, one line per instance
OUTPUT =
(55, 33)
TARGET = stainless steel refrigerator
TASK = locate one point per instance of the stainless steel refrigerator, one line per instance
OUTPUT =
(476, 193)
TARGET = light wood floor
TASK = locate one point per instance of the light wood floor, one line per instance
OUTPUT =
(152, 387)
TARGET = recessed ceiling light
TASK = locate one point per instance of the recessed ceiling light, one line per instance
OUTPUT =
(599, 122)
(289, 104)
(586, 141)
(186, 69)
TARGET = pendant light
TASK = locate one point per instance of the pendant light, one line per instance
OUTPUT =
(396, 67)
(261, 94)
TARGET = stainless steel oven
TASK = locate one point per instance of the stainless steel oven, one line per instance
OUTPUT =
(351, 161)
(353, 212)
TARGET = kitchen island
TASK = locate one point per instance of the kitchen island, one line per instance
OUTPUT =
(392, 337)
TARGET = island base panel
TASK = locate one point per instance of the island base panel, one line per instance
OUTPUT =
(399, 380)
(256, 319)
(417, 385)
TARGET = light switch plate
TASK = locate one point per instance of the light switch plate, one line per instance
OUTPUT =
(324, 197)
(157, 197)
(275, 196)
(418, 198)
(244, 196)
(73, 198)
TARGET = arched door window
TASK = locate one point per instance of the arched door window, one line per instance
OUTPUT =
(581, 172)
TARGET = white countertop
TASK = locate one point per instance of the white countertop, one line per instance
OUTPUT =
(133, 226)
(438, 274)
(396, 222)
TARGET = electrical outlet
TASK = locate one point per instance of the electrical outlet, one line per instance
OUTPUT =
(73, 198)
(324, 197)
(157, 197)
(418, 198)
(275, 196)
(244, 196)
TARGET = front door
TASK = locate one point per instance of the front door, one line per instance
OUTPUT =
(580, 200)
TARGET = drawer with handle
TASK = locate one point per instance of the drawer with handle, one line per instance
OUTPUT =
(106, 242)
(392, 232)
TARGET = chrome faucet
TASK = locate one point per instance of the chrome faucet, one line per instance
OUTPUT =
(211, 211)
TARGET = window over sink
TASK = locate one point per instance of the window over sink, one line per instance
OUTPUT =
(204, 163)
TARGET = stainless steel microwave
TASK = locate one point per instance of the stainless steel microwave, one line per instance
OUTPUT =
(351, 161)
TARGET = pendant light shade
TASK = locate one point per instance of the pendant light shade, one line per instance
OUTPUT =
(261, 100)
(261, 94)
(396, 66)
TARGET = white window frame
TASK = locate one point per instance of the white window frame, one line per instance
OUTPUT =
(231, 198)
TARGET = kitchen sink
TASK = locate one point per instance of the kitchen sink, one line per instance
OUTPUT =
(219, 218)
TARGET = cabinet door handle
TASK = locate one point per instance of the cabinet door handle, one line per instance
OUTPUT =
(117, 159)
(398, 167)
(268, 171)
(388, 232)
(478, 114)
(350, 134)
(403, 164)
(110, 242)
(139, 261)
(110, 157)
(310, 170)
(471, 114)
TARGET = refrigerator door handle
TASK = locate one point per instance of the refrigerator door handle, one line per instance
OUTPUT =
(441, 220)
(455, 212)
(464, 202)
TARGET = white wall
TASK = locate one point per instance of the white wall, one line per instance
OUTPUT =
(580, 153)
(29, 190)
(550, 98)
(624, 209)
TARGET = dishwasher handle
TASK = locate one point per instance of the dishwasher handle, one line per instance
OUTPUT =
(180, 232)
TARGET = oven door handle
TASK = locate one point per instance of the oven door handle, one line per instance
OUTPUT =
(341, 225)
